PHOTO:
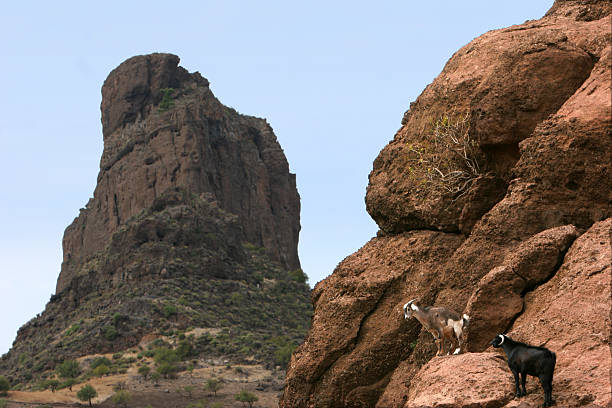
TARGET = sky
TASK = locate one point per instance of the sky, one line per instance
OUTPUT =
(333, 78)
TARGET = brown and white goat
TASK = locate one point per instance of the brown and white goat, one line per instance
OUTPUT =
(443, 324)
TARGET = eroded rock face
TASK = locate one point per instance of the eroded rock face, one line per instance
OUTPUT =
(359, 333)
(506, 82)
(537, 100)
(477, 379)
(498, 298)
(196, 143)
(570, 314)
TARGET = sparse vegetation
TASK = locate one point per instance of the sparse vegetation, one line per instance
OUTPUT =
(448, 157)
(73, 329)
(241, 330)
(283, 354)
(166, 102)
(144, 371)
(3, 403)
(121, 398)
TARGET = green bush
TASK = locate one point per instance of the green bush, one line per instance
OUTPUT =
(4, 385)
(119, 318)
(165, 355)
(282, 356)
(101, 370)
(144, 370)
(246, 398)
(110, 333)
(167, 102)
(73, 329)
(98, 361)
(169, 310)
(298, 275)
(167, 369)
(121, 398)
(68, 369)
(3, 403)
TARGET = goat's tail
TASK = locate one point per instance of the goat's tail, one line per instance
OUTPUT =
(466, 320)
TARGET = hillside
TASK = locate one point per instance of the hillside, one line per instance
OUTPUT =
(189, 242)
(493, 198)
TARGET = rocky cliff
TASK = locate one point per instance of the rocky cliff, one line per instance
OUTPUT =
(193, 224)
(493, 198)
(163, 128)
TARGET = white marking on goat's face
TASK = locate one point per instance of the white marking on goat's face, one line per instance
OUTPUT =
(457, 351)
(414, 307)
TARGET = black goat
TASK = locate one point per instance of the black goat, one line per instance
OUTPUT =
(525, 359)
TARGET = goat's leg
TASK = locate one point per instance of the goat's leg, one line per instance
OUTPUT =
(439, 346)
(454, 343)
(546, 382)
(523, 379)
(516, 383)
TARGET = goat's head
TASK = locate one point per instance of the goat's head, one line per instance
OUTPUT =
(498, 340)
(409, 307)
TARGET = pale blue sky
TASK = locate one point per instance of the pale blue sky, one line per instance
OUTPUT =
(332, 78)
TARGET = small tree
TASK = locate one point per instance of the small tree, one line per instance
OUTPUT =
(52, 384)
(87, 393)
(246, 398)
(69, 369)
(4, 385)
(189, 390)
(213, 385)
(190, 368)
(121, 398)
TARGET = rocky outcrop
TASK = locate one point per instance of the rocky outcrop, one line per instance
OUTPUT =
(527, 113)
(194, 223)
(163, 128)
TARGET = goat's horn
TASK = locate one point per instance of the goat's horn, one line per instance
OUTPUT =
(410, 301)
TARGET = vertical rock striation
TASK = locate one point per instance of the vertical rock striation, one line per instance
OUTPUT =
(199, 145)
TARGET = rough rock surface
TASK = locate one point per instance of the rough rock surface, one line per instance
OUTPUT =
(498, 298)
(534, 104)
(570, 314)
(198, 144)
(481, 382)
